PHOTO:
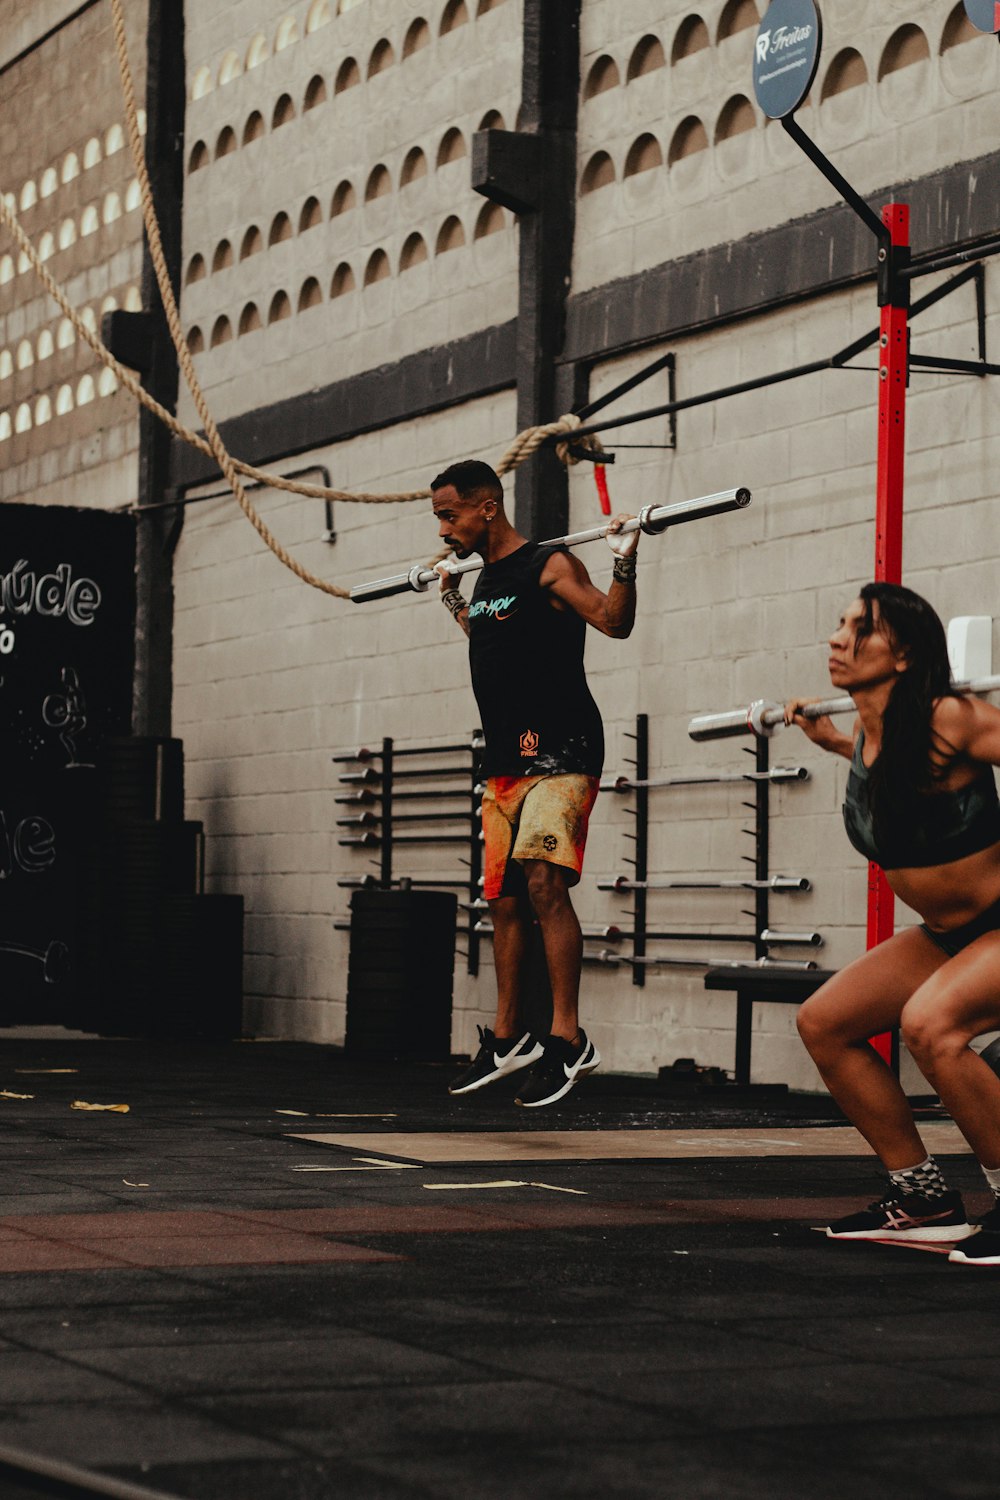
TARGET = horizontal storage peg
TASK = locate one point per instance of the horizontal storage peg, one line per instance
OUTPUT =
(720, 778)
(773, 883)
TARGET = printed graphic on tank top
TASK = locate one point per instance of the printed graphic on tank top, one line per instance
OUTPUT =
(526, 657)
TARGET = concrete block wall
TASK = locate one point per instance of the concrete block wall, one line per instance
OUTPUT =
(925, 97)
(381, 293)
(67, 435)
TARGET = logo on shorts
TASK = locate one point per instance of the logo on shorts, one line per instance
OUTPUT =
(549, 842)
(529, 742)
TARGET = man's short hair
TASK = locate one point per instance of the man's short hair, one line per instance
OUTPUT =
(471, 479)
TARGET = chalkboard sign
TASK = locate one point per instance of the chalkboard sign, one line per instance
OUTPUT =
(67, 608)
(786, 55)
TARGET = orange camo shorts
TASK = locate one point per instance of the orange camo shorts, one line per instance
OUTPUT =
(534, 817)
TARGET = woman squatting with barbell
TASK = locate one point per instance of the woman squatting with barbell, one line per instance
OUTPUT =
(921, 802)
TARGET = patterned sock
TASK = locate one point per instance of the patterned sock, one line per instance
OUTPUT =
(992, 1175)
(925, 1179)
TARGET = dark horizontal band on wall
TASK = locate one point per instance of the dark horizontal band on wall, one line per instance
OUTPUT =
(821, 253)
(478, 365)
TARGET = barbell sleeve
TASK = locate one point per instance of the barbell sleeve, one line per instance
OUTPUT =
(652, 519)
(763, 717)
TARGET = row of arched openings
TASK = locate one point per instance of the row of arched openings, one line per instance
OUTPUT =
(907, 45)
(378, 267)
(491, 219)
(67, 398)
(344, 200)
(691, 36)
(27, 352)
(36, 190)
(382, 56)
(690, 137)
(450, 148)
(91, 220)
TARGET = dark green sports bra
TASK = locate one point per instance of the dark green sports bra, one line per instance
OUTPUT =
(945, 826)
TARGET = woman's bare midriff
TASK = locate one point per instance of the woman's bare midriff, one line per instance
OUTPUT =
(950, 895)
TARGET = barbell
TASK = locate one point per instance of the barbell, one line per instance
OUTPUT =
(762, 717)
(652, 519)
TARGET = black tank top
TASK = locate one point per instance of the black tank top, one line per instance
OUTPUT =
(538, 716)
(943, 826)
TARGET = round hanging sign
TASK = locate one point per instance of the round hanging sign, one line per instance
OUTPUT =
(786, 55)
(984, 14)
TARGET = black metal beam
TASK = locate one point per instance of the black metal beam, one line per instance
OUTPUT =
(130, 337)
(506, 169)
(550, 84)
(157, 532)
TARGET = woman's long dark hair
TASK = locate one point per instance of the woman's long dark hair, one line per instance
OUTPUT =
(911, 760)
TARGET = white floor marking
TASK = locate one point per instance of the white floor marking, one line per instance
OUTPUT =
(470, 1187)
(387, 1166)
(442, 1187)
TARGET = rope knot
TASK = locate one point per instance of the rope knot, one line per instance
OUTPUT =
(591, 443)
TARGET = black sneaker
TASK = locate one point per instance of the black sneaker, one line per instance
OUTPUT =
(906, 1216)
(495, 1060)
(557, 1071)
(983, 1249)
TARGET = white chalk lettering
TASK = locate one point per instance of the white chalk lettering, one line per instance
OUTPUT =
(31, 847)
(53, 594)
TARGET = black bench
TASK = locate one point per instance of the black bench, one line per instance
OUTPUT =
(752, 983)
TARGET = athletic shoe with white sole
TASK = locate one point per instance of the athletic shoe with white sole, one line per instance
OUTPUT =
(559, 1069)
(496, 1059)
(984, 1248)
(901, 1217)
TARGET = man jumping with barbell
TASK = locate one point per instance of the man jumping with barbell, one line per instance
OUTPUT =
(526, 624)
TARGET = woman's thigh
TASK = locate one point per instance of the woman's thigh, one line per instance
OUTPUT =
(962, 998)
(868, 996)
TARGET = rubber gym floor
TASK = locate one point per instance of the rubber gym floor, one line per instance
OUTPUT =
(286, 1274)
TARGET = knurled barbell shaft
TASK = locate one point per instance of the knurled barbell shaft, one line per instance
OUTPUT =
(762, 718)
(652, 519)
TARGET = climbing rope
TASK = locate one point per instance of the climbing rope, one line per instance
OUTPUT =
(212, 445)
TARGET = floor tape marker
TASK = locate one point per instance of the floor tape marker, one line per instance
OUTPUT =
(443, 1187)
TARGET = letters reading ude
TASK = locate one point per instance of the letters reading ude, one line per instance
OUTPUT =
(57, 594)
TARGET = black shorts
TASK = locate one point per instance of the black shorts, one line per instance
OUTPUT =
(957, 938)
